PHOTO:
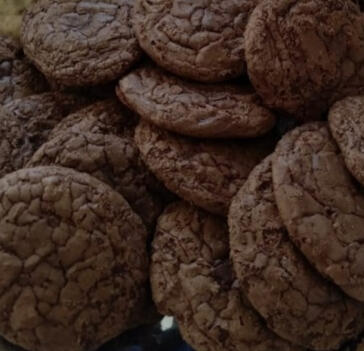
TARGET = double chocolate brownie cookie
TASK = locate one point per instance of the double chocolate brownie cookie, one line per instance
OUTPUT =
(192, 279)
(109, 158)
(25, 124)
(198, 110)
(103, 117)
(18, 78)
(73, 260)
(347, 127)
(206, 173)
(303, 54)
(321, 205)
(200, 40)
(77, 42)
(297, 303)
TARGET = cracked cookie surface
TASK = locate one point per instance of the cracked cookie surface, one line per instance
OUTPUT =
(201, 40)
(321, 205)
(77, 42)
(206, 173)
(18, 78)
(109, 158)
(103, 117)
(302, 55)
(73, 257)
(297, 303)
(25, 124)
(198, 110)
(192, 279)
(347, 127)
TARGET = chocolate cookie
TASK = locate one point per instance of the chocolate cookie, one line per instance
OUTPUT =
(302, 54)
(73, 260)
(203, 41)
(78, 42)
(347, 127)
(321, 206)
(111, 159)
(199, 110)
(18, 78)
(104, 117)
(192, 279)
(297, 303)
(26, 122)
(206, 173)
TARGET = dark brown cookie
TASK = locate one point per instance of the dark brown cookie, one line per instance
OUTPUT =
(321, 206)
(18, 78)
(77, 42)
(198, 110)
(203, 41)
(302, 54)
(25, 125)
(347, 127)
(297, 303)
(109, 158)
(206, 173)
(192, 279)
(104, 117)
(73, 260)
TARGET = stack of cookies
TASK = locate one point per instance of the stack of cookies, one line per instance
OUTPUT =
(197, 159)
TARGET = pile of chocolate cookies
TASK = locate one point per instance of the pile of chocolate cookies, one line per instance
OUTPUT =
(198, 159)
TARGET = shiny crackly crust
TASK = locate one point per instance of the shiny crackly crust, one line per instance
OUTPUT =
(105, 117)
(199, 110)
(109, 158)
(347, 128)
(26, 122)
(321, 206)
(192, 279)
(203, 41)
(302, 54)
(207, 173)
(78, 43)
(73, 258)
(297, 303)
(18, 78)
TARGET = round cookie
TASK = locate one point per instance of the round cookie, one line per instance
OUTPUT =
(26, 122)
(73, 257)
(347, 127)
(302, 54)
(297, 303)
(18, 78)
(321, 206)
(199, 40)
(198, 110)
(109, 158)
(77, 43)
(206, 173)
(192, 279)
(103, 117)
